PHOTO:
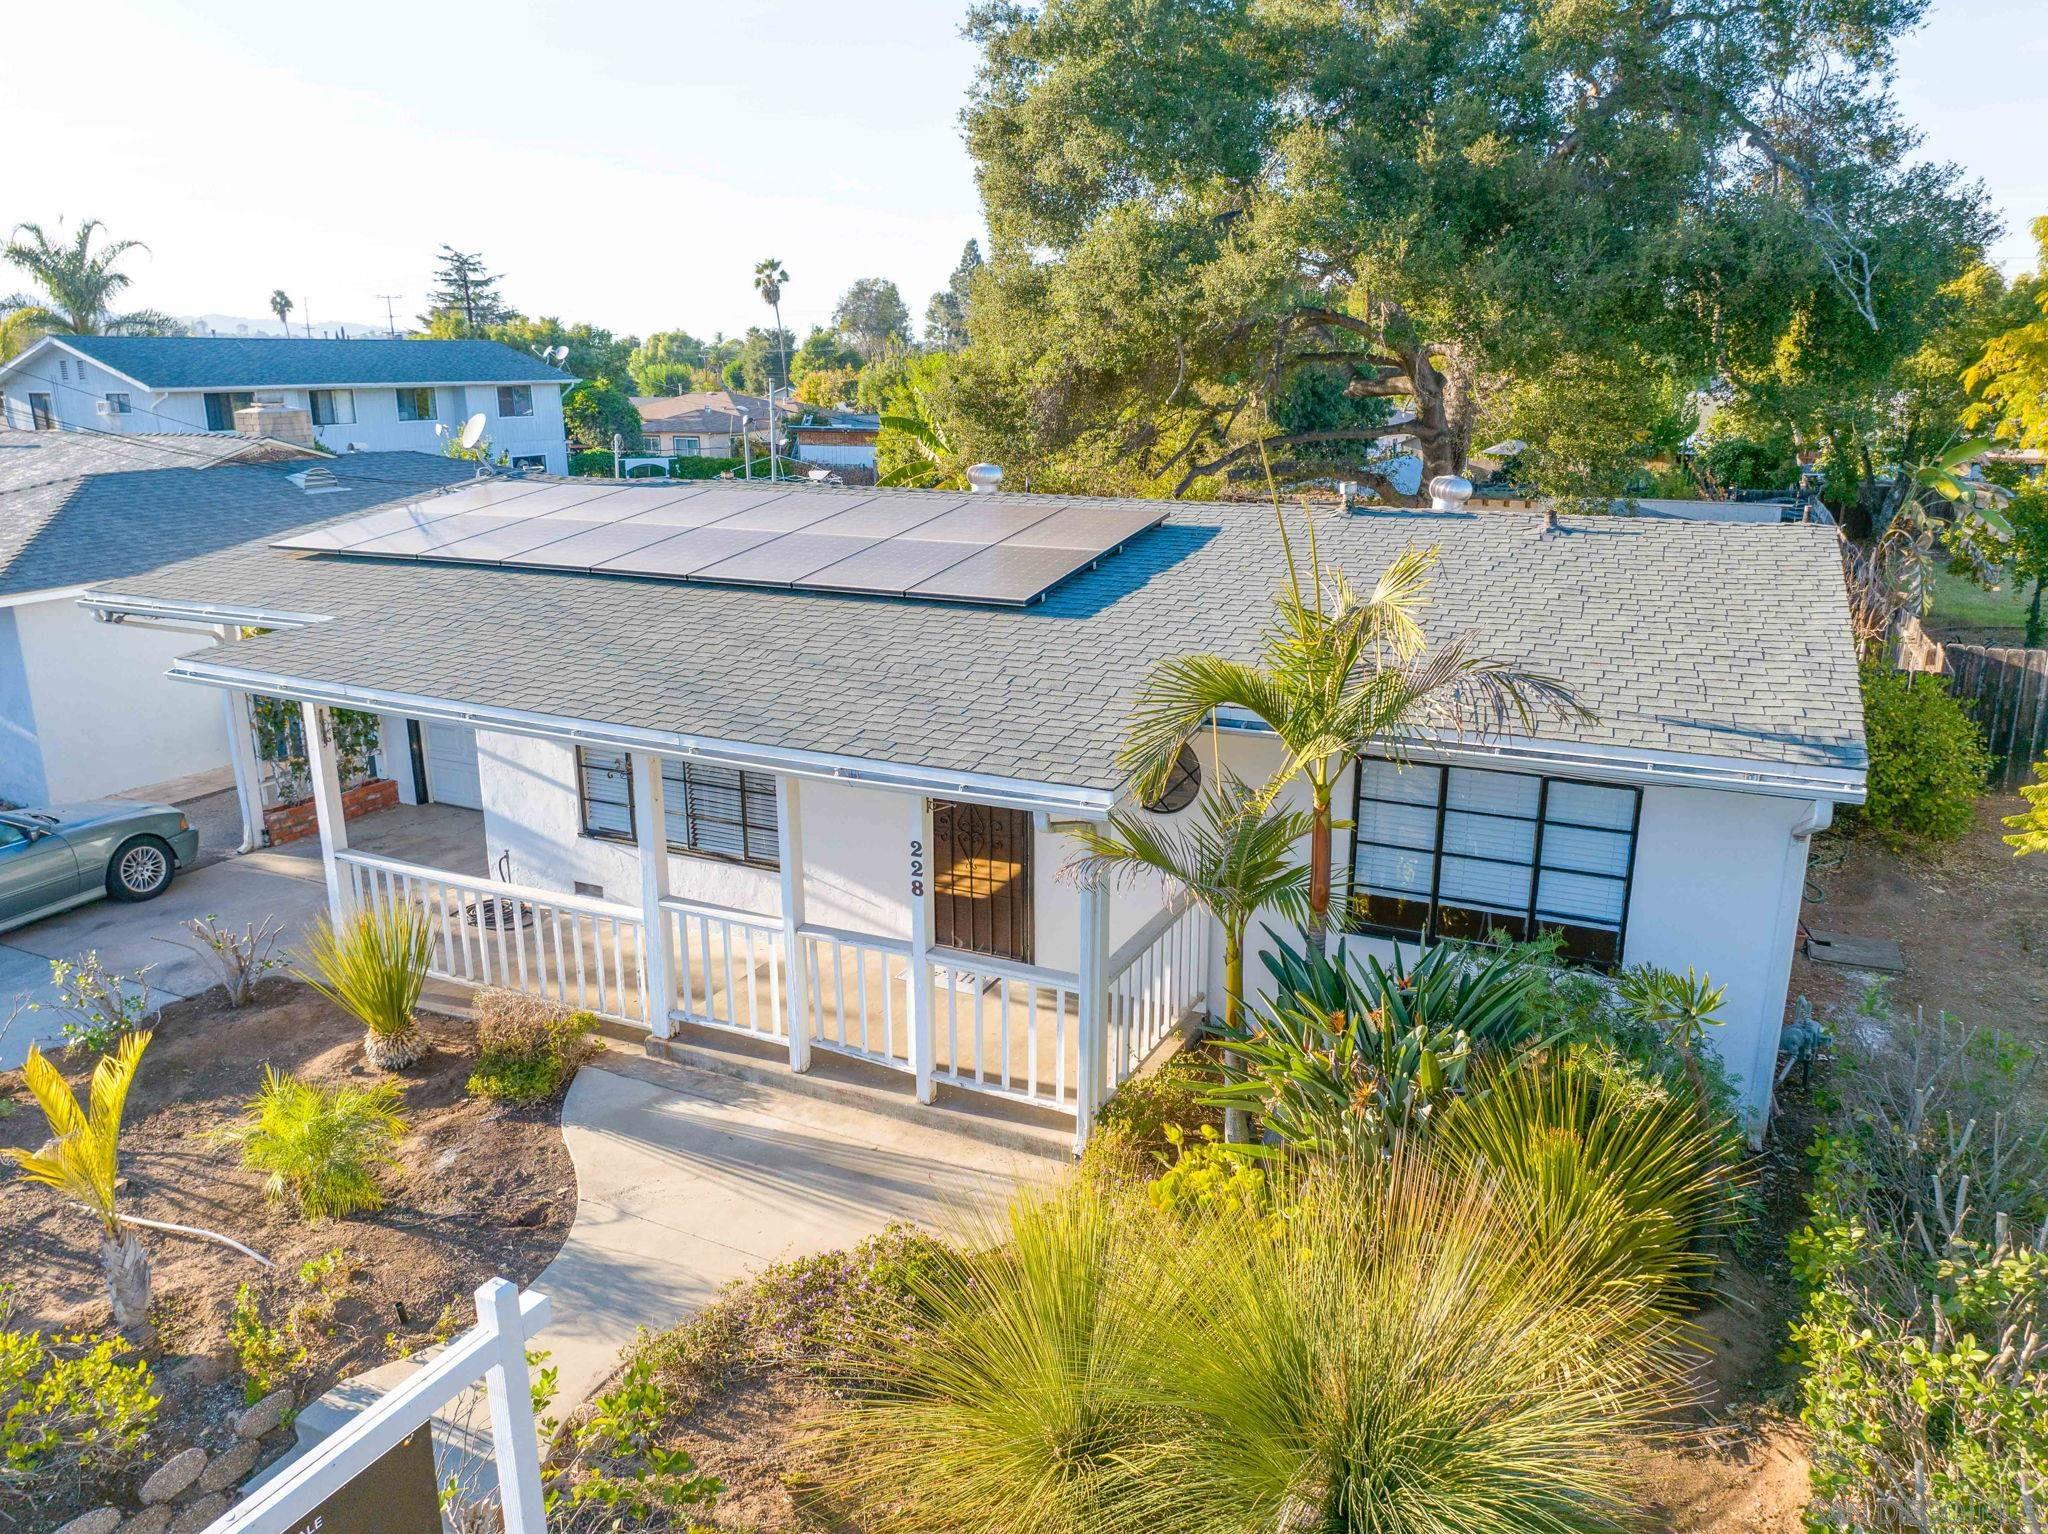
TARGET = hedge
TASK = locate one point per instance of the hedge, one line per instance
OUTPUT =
(600, 465)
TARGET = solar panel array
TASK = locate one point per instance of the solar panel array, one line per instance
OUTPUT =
(1001, 549)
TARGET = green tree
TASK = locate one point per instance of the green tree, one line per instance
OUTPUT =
(1339, 674)
(872, 317)
(465, 290)
(1440, 198)
(758, 361)
(770, 275)
(2027, 515)
(2010, 378)
(594, 352)
(595, 411)
(663, 361)
(281, 306)
(945, 317)
(823, 350)
(78, 285)
(913, 447)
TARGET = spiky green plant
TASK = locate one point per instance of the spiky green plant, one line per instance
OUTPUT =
(1396, 1356)
(374, 967)
(320, 1148)
(1642, 1176)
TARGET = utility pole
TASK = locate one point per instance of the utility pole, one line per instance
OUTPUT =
(307, 310)
(390, 324)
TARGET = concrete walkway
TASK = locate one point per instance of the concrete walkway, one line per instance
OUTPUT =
(686, 1180)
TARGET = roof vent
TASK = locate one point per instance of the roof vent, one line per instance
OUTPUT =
(983, 478)
(318, 480)
(1449, 492)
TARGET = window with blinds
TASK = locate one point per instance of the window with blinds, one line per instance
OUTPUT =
(718, 812)
(1454, 852)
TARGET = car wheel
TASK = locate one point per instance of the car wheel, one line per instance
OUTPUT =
(140, 869)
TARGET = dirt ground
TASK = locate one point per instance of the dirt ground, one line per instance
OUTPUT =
(480, 1190)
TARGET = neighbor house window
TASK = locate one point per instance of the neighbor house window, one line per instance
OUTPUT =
(515, 399)
(334, 407)
(1454, 852)
(119, 402)
(416, 405)
(221, 408)
(64, 369)
(718, 812)
(689, 447)
(40, 416)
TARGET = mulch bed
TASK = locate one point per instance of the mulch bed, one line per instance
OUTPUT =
(481, 1191)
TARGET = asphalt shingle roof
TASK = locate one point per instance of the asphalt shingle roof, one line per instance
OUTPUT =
(279, 362)
(38, 457)
(125, 522)
(1707, 639)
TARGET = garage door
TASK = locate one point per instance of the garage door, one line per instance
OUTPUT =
(452, 776)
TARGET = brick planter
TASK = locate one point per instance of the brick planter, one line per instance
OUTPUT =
(295, 822)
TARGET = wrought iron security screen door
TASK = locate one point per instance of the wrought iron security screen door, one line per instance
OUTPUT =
(981, 879)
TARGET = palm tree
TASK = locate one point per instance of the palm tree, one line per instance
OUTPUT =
(1339, 674)
(769, 276)
(281, 306)
(78, 285)
(82, 1163)
(1236, 860)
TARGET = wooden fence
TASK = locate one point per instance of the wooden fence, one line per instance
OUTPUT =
(2005, 690)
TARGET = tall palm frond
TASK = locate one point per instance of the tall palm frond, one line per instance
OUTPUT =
(80, 283)
(82, 1160)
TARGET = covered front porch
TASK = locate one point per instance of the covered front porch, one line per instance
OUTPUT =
(1046, 1042)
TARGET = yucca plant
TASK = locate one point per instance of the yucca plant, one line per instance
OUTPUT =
(320, 1148)
(1637, 1175)
(374, 967)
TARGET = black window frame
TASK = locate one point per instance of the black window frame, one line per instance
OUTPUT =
(314, 397)
(433, 404)
(1430, 930)
(42, 413)
(513, 392)
(221, 405)
(680, 800)
(118, 398)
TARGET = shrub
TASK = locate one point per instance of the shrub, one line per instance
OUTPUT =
(98, 1005)
(528, 1050)
(1405, 1359)
(1927, 758)
(1344, 1056)
(71, 1410)
(1147, 1109)
(1926, 1282)
(599, 464)
(617, 1474)
(268, 1355)
(374, 967)
(320, 1148)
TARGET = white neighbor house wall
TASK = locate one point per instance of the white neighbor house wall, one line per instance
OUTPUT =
(376, 428)
(88, 709)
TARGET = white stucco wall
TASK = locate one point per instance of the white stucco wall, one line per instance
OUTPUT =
(91, 705)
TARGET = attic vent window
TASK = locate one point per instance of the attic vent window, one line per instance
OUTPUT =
(318, 481)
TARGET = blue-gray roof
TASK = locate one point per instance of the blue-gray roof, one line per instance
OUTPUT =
(277, 362)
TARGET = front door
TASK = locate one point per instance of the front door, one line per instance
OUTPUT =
(981, 879)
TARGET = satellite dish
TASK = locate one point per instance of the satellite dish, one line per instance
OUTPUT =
(1514, 447)
(558, 355)
(472, 431)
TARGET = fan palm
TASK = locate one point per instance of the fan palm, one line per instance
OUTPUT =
(281, 306)
(79, 285)
(769, 276)
(1339, 674)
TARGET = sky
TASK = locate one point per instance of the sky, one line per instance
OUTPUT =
(627, 163)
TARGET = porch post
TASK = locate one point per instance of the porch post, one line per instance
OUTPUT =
(657, 955)
(323, 767)
(234, 709)
(921, 949)
(796, 989)
(1090, 1085)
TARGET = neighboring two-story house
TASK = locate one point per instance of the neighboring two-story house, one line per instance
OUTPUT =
(354, 396)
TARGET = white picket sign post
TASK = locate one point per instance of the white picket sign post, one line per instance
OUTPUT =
(493, 1351)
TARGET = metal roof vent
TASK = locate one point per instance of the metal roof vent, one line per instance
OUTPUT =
(983, 478)
(1449, 492)
(318, 480)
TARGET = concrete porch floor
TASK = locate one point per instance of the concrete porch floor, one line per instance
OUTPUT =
(433, 835)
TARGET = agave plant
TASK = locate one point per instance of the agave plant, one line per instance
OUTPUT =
(374, 967)
(1343, 1056)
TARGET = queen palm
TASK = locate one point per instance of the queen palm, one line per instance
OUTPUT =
(79, 285)
(1338, 674)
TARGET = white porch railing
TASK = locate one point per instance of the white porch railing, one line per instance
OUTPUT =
(1157, 980)
(570, 949)
(859, 994)
(728, 968)
(1010, 1030)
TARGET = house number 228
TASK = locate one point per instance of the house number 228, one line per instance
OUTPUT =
(917, 869)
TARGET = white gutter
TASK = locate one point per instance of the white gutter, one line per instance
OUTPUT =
(980, 788)
(1619, 764)
(114, 607)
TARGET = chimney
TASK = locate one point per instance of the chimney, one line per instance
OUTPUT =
(276, 420)
(983, 478)
(1448, 492)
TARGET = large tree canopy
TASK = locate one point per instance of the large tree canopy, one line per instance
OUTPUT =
(1436, 205)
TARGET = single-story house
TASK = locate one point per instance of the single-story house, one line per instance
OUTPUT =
(86, 709)
(843, 440)
(710, 423)
(346, 396)
(805, 763)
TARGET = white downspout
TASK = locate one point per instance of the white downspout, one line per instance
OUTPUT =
(1791, 891)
